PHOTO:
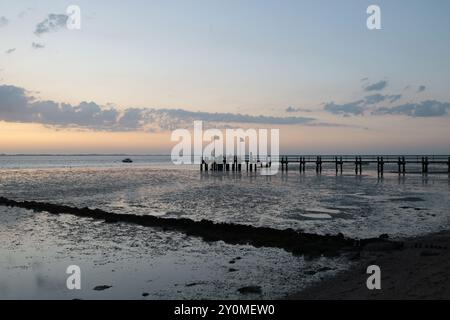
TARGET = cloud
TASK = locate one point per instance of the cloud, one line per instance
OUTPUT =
(291, 109)
(14, 104)
(377, 98)
(377, 86)
(53, 22)
(23, 13)
(36, 45)
(428, 108)
(9, 51)
(3, 22)
(17, 105)
(421, 88)
(173, 118)
(346, 109)
(359, 107)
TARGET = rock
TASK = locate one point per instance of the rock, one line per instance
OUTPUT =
(250, 289)
(356, 256)
(191, 284)
(427, 253)
(324, 269)
(145, 294)
(232, 270)
(101, 288)
(194, 284)
(384, 236)
(409, 199)
(310, 272)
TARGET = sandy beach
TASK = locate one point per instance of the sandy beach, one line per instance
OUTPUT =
(421, 270)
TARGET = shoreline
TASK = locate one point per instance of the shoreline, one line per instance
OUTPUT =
(420, 270)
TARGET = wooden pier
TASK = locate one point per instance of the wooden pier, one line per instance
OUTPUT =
(400, 163)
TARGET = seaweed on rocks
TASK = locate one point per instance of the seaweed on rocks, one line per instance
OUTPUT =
(295, 242)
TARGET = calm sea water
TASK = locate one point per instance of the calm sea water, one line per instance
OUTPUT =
(170, 265)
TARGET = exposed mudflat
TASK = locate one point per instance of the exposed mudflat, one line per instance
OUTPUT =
(419, 271)
(130, 257)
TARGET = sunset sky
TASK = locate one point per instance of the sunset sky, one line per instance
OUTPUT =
(136, 70)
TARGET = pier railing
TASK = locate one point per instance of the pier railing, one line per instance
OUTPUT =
(252, 162)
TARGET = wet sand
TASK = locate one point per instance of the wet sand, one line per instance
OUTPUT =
(421, 270)
(296, 242)
(415, 268)
(129, 261)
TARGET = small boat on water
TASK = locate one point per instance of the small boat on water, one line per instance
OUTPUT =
(127, 160)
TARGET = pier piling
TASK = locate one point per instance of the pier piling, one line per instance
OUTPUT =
(331, 162)
(448, 164)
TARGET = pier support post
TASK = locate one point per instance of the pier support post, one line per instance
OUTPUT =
(360, 165)
(448, 164)
(403, 165)
(317, 164)
(424, 165)
(336, 164)
(378, 166)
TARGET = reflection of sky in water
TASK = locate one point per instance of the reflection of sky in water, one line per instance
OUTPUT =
(133, 260)
(358, 206)
(161, 263)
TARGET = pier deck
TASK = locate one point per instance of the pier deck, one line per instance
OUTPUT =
(233, 163)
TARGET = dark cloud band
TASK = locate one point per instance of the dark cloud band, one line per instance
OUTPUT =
(16, 105)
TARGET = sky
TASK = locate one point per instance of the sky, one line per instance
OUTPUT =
(136, 70)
